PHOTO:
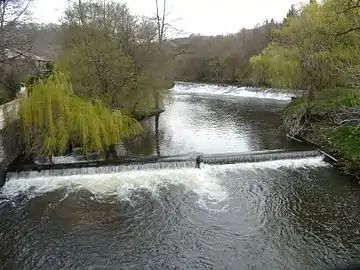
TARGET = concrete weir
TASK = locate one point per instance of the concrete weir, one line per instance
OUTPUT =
(258, 156)
(152, 163)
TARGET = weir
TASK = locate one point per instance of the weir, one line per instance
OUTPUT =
(257, 156)
(151, 163)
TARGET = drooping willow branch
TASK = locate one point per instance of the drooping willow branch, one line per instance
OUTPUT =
(52, 116)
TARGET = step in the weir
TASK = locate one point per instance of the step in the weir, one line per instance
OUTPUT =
(257, 156)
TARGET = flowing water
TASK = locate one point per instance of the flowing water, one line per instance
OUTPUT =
(276, 214)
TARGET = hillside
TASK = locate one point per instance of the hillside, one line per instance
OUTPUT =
(196, 58)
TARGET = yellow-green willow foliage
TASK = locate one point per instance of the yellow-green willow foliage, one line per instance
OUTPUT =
(52, 116)
(307, 52)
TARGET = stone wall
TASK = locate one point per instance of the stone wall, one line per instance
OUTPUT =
(9, 148)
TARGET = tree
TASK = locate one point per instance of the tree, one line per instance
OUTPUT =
(53, 116)
(303, 43)
(222, 59)
(161, 54)
(112, 54)
(307, 53)
(14, 46)
(291, 13)
(13, 15)
(160, 21)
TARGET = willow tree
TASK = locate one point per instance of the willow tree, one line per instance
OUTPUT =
(52, 116)
(307, 53)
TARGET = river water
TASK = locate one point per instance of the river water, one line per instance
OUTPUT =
(285, 214)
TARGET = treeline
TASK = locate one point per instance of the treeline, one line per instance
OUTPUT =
(222, 59)
(317, 52)
(318, 47)
(113, 55)
(108, 53)
(109, 68)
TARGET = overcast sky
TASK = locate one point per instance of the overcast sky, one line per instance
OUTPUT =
(207, 17)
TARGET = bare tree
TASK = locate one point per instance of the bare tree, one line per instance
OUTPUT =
(117, 56)
(15, 44)
(13, 15)
(160, 20)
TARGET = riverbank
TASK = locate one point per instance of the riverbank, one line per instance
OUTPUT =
(333, 125)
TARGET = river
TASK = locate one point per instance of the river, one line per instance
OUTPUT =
(285, 214)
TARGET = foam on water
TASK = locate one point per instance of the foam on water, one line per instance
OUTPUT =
(217, 90)
(120, 184)
(204, 181)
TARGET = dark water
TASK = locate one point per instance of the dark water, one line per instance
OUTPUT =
(290, 214)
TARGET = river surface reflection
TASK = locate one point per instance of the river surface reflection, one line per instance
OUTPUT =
(285, 214)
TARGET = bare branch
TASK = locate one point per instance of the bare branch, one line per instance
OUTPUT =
(347, 31)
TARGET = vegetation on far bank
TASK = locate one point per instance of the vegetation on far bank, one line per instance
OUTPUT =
(317, 50)
(110, 65)
(53, 116)
(126, 63)
(107, 52)
(333, 123)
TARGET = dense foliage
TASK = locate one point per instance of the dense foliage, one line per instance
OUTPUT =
(52, 116)
(308, 53)
(112, 55)
(317, 51)
(221, 59)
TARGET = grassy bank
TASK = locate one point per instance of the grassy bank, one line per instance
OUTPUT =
(332, 123)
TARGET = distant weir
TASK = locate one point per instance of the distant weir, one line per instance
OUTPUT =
(154, 163)
(184, 88)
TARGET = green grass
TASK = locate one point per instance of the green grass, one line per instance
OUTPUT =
(342, 141)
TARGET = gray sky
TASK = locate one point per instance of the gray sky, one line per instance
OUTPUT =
(207, 17)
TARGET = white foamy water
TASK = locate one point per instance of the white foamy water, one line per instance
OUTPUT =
(217, 90)
(205, 181)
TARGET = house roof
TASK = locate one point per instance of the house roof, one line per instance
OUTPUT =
(14, 53)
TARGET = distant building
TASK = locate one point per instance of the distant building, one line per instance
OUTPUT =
(23, 64)
(19, 56)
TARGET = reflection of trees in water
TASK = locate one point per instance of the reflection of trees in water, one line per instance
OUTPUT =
(257, 118)
(149, 142)
(207, 113)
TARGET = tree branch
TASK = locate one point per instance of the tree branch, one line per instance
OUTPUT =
(347, 31)
(352, 6)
